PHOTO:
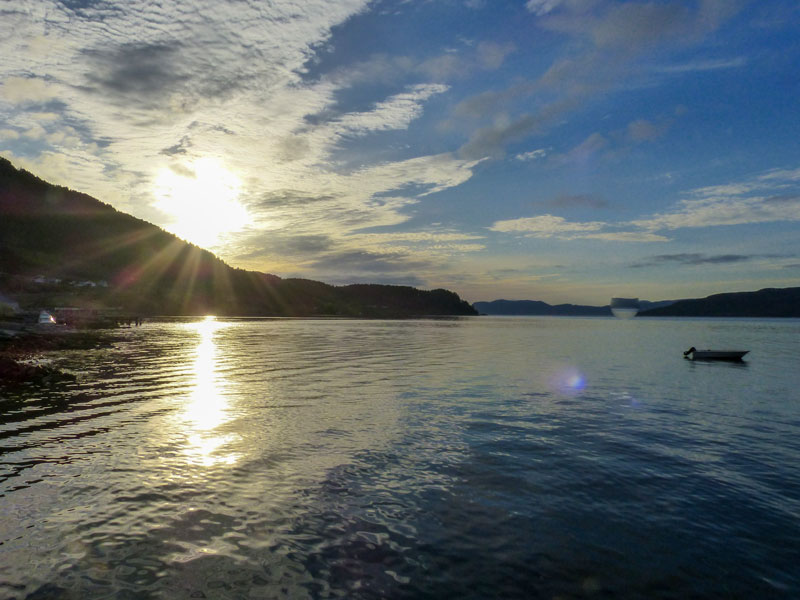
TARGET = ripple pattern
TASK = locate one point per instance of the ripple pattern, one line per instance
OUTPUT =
(464, 458)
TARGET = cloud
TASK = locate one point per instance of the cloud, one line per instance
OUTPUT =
(701, 66)
(783, 199)
(160, 85)
(491, 56)
(548, 226)
(642, 130)
(342, 205)
(584, 152)
(541, 7)
(427, 245)
(381, 68)
(635, 26)
(394, 113)
(137, 72)
(738, 203)
(23, 90)
(544, 226)
(692, 259)
(491, 141)
(531, 155)
(365, 261)
(626, 236)
(781, 175)
(436, 237)
(612, 39)
(283, 244)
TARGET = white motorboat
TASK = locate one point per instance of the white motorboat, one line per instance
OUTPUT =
(695, 354)
(45, 318)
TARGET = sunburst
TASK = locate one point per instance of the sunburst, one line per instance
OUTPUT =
(202, 201)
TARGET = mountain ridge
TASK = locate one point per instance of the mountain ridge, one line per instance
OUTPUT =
(764, 303)
(539, 308)
(59, 247)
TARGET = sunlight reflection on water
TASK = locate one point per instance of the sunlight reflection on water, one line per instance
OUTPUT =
(362, 459)
(209, 408)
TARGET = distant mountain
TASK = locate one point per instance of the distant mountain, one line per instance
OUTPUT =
(769, 302)
(536, 307)
(59, 247)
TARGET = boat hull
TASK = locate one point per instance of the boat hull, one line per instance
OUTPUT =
(734, 355)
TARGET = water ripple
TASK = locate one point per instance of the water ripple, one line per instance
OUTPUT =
(473, 458)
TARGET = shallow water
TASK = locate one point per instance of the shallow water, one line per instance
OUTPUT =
(465, 458)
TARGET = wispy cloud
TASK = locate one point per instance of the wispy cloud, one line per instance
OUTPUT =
(704, 65)
(142, 87)
(27, 90)
(642, 130)
(550, 226)
(541, 7)
(771, 197)
(694, 259)
(739, 203)
(531, 155)
(627, 236)
(614, 38)
(691, 258)
(544, 226)
(360, 138)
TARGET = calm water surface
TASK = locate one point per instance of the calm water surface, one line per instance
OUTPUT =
(472, 458)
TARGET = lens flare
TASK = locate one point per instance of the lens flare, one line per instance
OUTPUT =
(568, 380)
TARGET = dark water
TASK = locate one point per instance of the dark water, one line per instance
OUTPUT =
(473, 458)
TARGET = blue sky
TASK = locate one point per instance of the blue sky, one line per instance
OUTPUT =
(558, 150)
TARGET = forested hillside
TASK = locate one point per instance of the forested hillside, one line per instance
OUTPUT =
(61, 247)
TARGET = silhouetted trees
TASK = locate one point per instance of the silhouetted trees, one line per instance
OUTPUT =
(91, 254)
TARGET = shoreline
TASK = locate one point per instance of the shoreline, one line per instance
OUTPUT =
(21, 353)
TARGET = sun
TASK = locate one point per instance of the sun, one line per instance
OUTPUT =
(202, 201)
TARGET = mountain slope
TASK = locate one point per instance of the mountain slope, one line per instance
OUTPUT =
(537, 307)
(769, 302)
(66, 238)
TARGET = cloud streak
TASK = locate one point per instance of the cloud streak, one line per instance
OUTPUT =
(368, 138)
(156, 86)
(772, 197)
(615, 38)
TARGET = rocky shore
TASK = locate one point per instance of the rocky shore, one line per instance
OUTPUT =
(21, 353)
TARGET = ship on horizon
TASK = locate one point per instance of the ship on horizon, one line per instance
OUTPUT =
(624, 308)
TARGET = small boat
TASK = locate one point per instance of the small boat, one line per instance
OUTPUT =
(695, 354)
(45, 318)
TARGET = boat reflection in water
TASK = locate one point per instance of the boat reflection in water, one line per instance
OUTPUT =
(625, 308)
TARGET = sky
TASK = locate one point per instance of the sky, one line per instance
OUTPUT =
(555, 150)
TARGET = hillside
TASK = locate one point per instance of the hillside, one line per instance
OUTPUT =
(769, 302)
(61, 247)
(538, 308)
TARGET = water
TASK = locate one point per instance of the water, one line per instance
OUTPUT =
(468, 458)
